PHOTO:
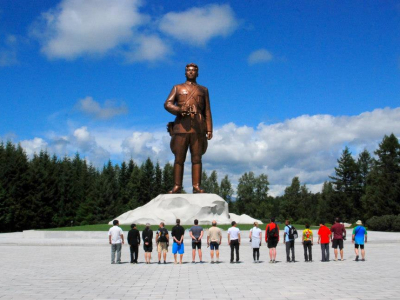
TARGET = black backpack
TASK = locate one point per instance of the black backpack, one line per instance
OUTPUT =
(162, 235)
(292, 233)
(273, 232)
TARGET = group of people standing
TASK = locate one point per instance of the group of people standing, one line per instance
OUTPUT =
(336, 234)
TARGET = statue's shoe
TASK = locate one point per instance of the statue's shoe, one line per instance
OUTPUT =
(197, 189)
(176, 190)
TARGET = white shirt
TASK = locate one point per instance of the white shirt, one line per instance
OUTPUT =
(255, 232)
(234, 233)
(115, 233)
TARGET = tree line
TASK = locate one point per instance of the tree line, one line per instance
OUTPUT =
(47, 191)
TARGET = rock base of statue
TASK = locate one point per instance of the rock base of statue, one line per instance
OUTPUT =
(186, 207)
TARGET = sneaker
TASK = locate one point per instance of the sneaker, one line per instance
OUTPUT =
(201, 261)
(270, 261)
(193, 262)
(274, 261)
(159, 262)
(254, 261)
(363, 259)
(335, 259)
(231, 261)
(356, 257)
(119, 262)
(212, 262)
(165, 262)
(113, 262)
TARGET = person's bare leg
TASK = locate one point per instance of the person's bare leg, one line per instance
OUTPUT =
(159, 256)
(165, 255)
(341, 254)
(180, 258)
(193, 254)
(175, 258)
(363, 253)
(335, 253)
(200, 255)
(212, 255)
(274, 253)
(217, 253)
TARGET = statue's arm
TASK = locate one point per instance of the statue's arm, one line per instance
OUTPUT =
(169, 104)
(208, 116)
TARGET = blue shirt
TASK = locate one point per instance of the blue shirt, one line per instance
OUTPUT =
(359, 233)
(287, 228)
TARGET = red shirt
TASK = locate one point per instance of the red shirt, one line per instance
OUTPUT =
(271, 226)
(324, 233)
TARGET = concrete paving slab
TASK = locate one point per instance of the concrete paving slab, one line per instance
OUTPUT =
(48, 269)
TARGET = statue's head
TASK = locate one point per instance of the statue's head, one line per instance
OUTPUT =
(191, 71)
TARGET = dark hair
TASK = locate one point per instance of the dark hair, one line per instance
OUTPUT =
(307, 225)
(337, 220)
(178, 221)
(133, 225)
(196, 222)
(288, 221)
(322, 222)
(115, 222)
(192, 65)
(272, 219)
(233, 223)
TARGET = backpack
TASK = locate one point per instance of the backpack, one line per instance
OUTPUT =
(162, 235)
(292, 233)
(273, 232)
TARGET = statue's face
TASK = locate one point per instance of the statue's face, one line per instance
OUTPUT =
(191, 73)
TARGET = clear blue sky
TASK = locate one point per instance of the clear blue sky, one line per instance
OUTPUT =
(290, 82)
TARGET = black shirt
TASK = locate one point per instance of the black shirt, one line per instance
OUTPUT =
(133, 237)
(147, 236)
(177, 232)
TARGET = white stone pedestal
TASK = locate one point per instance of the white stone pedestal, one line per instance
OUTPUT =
(186, 207)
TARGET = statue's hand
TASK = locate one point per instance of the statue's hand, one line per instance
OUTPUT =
(184, 110)
(209, 135)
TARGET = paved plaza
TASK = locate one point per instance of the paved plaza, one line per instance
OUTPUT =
(77, 266)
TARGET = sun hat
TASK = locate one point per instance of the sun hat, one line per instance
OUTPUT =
(359, 222)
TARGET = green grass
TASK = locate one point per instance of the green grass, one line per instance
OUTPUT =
(106, 227)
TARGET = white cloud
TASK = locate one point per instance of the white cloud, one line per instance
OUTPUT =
(200, 24)
(93, 108)
(259, 56)
(77, 28)
(306, 146)
(8, 51)
(34, 146)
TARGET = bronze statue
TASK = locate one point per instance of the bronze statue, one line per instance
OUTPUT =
(192, 127)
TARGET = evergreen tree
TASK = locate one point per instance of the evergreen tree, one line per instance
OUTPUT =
(134, 187)
(157, 190)
(210, 185)
(167, 178)
(147, 180)
(291, 199)
(383, 182)
(225, 190)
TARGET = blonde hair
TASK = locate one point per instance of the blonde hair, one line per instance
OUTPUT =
(256, 224)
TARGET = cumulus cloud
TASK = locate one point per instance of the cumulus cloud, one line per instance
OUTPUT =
(200, 24)
(259, 56)
(95, 27)
(8, 51)
(34, 146)
(306, 146)
(94, 109)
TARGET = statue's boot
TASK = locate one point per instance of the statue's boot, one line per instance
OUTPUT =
(196, 178)
(178, 176)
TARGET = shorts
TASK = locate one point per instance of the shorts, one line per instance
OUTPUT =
(337, 243)
(162, 247)
(359, 245)
(196, 244)
(214, 245)
(178, 248)
(272, 243)
(147, 248)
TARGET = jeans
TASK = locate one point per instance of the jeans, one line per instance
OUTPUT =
(289, 248)
(116, 248)
(325, 252)
(134, 253)
(307, 248)
(235, 246)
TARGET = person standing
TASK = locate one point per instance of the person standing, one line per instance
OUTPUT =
(338, 233)
(359, 237)
(272, 239)
(214, 238)
(147, 237)
(234, 240)
(116, 240)
(134, 242)
(178, 233)
(323, 239)
(255, 236)
(288, 239)
(196, 233)
(162, 241)
(308, 241)
(192, 128)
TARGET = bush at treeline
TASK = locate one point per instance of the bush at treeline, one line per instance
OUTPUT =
(384, 223)
(47, 191)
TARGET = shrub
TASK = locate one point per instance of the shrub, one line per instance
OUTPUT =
(396, 224)
(382, 223)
